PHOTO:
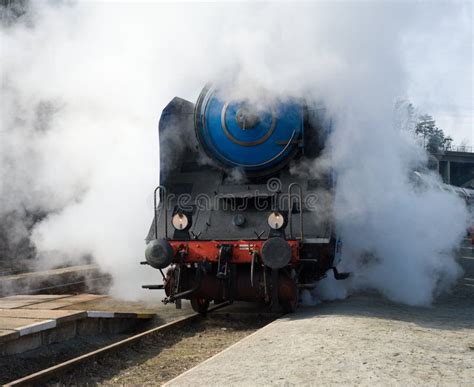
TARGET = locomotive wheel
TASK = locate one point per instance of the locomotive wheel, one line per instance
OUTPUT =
(200, 305)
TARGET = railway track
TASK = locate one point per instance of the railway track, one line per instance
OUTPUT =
(56, 371)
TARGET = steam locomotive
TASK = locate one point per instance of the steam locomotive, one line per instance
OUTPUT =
(237, 216)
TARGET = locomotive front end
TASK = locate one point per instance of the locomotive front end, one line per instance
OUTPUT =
(232, 220)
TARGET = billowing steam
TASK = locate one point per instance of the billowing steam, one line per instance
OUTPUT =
(83, 86)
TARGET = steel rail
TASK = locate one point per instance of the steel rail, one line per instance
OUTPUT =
(58, 369)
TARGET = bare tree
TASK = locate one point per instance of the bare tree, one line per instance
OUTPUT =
(433, 137)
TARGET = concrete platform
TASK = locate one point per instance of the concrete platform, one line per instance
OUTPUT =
(29, 321)
(361, 340)
(67, 279)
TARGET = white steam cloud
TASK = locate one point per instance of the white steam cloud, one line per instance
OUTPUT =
(83, 85)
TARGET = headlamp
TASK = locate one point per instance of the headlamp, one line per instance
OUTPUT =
(180, 221)
(276, 220)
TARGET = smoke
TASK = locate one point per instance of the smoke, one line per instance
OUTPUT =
(83, 85)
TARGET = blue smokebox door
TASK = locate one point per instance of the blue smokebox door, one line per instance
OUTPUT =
(254, 138)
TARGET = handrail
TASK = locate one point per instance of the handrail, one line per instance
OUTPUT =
(290, 209)
(460, 148)
(165, 209)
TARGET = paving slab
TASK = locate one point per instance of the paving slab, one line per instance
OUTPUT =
(35, 327)
(11, 304)
(59, 315)
(63, 302)
(24, 300)
(36, 274)
(26, 326)
(86, 297)
(35, 297)
(43, 280)
(50, 305)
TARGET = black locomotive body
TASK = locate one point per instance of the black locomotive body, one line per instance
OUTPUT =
(236, 217)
